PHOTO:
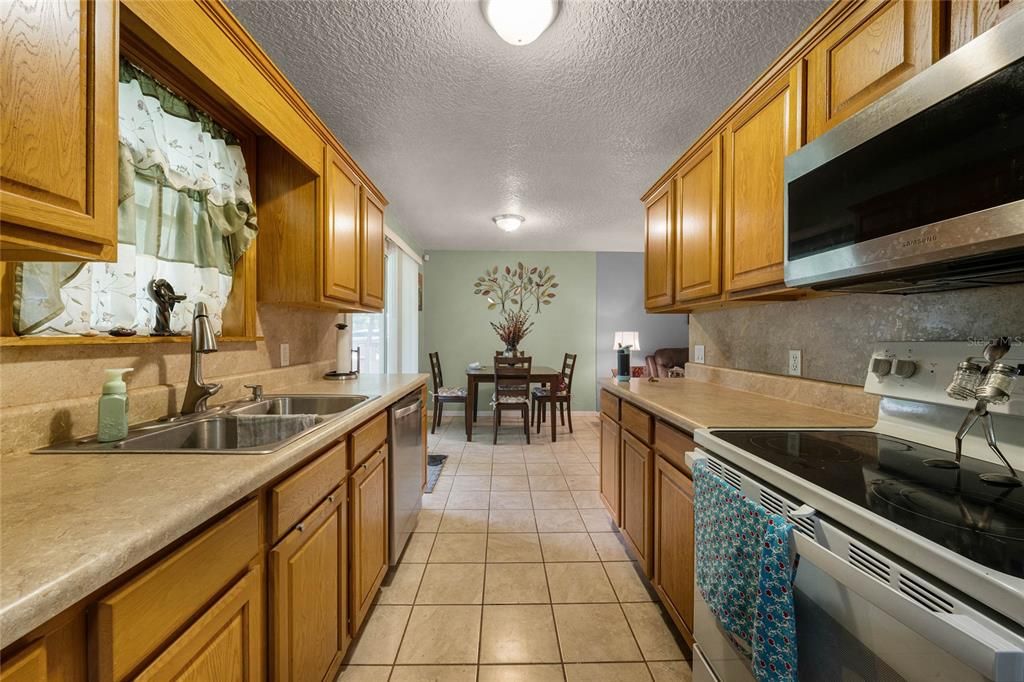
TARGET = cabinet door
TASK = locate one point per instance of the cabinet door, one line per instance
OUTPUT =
(341, 239)
(698, 237)
(225, 644)
(879, 46)
(371, 266)
(757, 139)
(968, 19)
(635, 512)
(369, 534)
(673, 544)
(27, 666)
(658, 249)
(58, 117)
(307, 574)
(610, 465)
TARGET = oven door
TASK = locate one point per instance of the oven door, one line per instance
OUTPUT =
(862, 616)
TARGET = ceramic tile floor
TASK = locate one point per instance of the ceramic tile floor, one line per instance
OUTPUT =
(515, 574)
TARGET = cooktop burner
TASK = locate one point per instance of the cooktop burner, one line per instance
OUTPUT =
(886, 475)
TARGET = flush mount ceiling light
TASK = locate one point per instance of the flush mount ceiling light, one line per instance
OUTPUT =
(509, 222)
(519, 22)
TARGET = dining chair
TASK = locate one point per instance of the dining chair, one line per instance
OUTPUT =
(511, 390)
(561, 395)
(443, 394)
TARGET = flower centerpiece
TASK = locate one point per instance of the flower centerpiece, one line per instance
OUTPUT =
(512, 329)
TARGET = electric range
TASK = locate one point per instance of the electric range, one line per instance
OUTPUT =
(937, 550)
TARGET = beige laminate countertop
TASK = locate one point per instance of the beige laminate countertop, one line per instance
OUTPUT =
(692, 404)
(69, 524)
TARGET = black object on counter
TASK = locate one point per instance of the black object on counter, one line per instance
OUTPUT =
(161, 291)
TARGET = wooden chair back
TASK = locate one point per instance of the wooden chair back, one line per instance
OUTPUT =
(512, 377)
(435, 371)
(517, 354)
(568, 368)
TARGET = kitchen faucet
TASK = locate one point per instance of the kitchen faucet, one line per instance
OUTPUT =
(203, 341)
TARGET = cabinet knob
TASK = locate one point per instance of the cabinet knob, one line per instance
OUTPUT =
(330, 498)
(300, 527)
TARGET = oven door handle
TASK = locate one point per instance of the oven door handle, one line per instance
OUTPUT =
(997, 655)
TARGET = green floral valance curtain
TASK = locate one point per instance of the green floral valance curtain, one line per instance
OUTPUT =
(185, 214)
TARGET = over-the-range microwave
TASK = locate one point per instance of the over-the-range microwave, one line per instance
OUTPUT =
(923, 190)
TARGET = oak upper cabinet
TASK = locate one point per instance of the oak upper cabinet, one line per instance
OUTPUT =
(879, 46)
(369, 533)
(968, 19)
(226, 643)
(58, 130)
(342, 228)
(698, 233)
(308, 582)
(371, 261)
(635, 511)
(756, 140)
(610, 465)
(673, 544)
(658, 249)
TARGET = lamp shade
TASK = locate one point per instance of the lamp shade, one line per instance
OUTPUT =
(631, 339)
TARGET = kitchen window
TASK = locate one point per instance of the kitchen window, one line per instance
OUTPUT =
(389, 342)
(185, 215)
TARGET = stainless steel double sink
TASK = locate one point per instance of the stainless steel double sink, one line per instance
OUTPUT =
(216, 431)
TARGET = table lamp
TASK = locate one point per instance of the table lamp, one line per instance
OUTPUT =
(625, 343)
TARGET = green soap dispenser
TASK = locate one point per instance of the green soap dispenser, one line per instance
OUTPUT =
(113, 412)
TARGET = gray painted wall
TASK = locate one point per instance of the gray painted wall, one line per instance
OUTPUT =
(620, 307)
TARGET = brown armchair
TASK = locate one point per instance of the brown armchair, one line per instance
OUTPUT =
(665, 359)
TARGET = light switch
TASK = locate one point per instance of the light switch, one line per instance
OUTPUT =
(285, 355)
(698, 354)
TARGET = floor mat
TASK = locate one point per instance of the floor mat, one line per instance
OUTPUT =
(435, 463)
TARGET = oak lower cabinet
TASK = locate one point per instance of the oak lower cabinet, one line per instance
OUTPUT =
(636, 507)
(368, 515)
(757, 139)
(225, 644)
(876, 48)
(58, 117)
(673, 544)
(27, 666)
(611, 464)
(658, 249)
(309, 602)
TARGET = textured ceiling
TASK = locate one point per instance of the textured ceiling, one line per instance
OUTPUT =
(456, 126)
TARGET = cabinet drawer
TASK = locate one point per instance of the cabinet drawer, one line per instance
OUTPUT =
(673, 444)
(134, 621)
(367, 439)
(27, 666)
(295, 497)
(610, 404)
(637, 422)
(224, 644)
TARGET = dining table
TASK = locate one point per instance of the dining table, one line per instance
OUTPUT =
(484, 374)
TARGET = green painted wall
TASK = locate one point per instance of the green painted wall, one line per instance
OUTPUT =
(455, 320)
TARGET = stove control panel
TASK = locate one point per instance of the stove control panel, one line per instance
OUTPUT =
(921, 371)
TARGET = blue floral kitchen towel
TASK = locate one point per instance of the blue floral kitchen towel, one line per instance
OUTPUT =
(745, 573)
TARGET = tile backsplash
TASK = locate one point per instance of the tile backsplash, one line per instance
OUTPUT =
(836, 333)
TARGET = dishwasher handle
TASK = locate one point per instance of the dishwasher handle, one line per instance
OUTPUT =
(406, 410)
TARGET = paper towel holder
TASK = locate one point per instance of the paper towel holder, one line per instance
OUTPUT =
(335, 375)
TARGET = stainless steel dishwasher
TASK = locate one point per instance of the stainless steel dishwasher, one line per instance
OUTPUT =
(405, 475)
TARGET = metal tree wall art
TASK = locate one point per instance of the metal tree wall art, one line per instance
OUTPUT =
(518, 288)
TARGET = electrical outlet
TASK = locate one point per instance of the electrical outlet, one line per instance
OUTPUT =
(795, 363)
(698, 354)
(285, 355)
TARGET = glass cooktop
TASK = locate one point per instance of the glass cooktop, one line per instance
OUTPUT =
(951, 507)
